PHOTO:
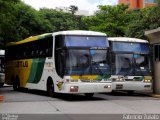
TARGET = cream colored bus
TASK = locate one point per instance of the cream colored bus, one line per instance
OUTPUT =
(130, 64)
(60, 62)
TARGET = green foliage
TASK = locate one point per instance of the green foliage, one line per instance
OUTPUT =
(60, 20)
(145, 19)
(29, 22)
(111, 20)
(19, 21)
(7, 20)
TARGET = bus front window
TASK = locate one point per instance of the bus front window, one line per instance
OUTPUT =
(123, 64)
(141, 64)
(84, 62)
(131, 64)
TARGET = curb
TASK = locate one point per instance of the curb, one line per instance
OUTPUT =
(155, 95)
(150, 94)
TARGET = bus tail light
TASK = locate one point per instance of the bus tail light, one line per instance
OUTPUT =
(74, 89)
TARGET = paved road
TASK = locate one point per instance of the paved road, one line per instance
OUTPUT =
(37, 102)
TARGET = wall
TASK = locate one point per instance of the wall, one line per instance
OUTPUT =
(136, 4)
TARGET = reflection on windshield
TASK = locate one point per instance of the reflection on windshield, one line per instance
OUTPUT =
(140, 48)
(141, 64)
(86, 41)
(88, 62)
(123, 63)
(131, 64)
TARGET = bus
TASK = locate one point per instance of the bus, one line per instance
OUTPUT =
(130, 64)
(2, 75)
(61, 62)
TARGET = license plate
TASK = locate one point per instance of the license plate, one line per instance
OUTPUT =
(119, 86)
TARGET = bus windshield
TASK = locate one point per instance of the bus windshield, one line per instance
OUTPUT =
(131, 64)
(141, 48)
(87, 62)
(131, 58)
(85, 41)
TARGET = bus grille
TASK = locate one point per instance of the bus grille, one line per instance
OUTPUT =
(90, 81)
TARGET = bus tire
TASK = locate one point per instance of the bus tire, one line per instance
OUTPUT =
(1, 84)
(89, 95)
(16, 84)
(50, 88)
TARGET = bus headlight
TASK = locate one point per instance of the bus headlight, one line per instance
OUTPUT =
(147, 80)
(118, 79)
(121, 79)
(107, 86)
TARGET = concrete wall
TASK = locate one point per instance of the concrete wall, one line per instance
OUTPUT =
(156, 82)
(136, 4)
(154, 38)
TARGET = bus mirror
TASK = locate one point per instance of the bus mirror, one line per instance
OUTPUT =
(135, 56)
(91, 52)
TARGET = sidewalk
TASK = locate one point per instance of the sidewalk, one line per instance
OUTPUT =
(149, 93)
(154, 95)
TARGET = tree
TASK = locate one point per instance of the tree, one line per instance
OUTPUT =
(29, 22)
(7, 20)
(112, 20)
(61, 20)
(146, 19)
(73, 9)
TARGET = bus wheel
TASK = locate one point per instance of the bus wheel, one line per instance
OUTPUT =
(89, 95)
(1, 84)
(16, 84)
(50, 89)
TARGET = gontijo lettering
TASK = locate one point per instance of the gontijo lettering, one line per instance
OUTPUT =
(22, 64)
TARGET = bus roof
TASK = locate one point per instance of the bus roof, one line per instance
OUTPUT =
(79, 32)
(29, 39)
(69, 32)
(127, 39)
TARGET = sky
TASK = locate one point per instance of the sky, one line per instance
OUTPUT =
(90, 5)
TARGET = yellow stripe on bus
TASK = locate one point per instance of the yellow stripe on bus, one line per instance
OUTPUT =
(84, 77)
(20, 68)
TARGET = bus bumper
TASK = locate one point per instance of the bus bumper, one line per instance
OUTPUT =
(87, 87)
(133, 86)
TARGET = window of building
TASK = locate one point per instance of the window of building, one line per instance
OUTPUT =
(150, 1)
(157, 52)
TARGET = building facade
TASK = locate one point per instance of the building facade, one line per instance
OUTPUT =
(138, 4)
(78, 12)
